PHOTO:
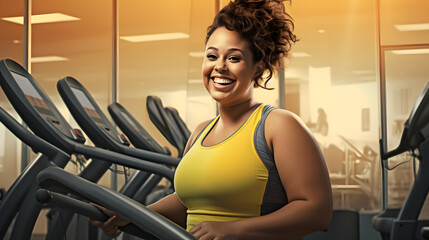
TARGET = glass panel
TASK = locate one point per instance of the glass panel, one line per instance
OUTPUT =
(11, 46)
(404, 22)
(74, 43)
(405, 80)
(157, 66)
(331, 84)
(200, 105)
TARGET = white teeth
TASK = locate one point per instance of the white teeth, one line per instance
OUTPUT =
(222, 81)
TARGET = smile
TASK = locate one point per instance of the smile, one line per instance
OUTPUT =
(222, 81)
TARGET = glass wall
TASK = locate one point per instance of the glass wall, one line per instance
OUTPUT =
(11, 46)
(404, 52)
(404, 22)
(76, 41)
(167, 68)
(405, 81)
(331, 84)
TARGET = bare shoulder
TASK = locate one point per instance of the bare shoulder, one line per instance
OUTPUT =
(282, 120)
(286, 128)
(200, 127)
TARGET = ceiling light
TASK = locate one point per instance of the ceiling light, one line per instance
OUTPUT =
(197, 54)
(155, 37)
(48, 59)
(412, 27)
(300, 54)
(321, 30)
(411, 51)
(43, 18)
(16, 41)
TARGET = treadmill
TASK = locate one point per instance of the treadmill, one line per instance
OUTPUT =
(139, 137)
(144, 222)
(19, 200)
(99, 129)
(43, 118)
(181, 125)
(403, 223)
(135, 132)
(165, 124)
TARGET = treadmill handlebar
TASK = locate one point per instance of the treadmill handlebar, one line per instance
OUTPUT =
(66, 202)
(125, 160)
(56, 179)
(153, 156)
(85, 209)
(36, 143)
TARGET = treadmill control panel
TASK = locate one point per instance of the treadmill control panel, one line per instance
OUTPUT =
(92, 112)
(41, 106)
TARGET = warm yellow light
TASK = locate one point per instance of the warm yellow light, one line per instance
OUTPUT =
(48, 59)
(43, 18)
(412, 27)
(411, 51)
(300, 54)
(155, 37)
(196, 54)
(195, 81)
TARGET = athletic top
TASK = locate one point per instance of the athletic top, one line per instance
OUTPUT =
(234, 179)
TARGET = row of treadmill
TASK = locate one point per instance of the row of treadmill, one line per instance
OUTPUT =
(44, 183)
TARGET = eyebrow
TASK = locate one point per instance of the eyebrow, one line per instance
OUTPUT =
(229, 50)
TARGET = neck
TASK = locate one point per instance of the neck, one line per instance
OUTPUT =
(235, 113)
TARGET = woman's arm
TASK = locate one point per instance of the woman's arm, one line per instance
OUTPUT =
(305, 178)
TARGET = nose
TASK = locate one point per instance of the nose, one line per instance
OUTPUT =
(220, 66)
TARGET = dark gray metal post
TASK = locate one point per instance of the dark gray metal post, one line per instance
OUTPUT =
(27, 65)
(115, 73)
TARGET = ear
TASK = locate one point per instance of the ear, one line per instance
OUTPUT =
(260, 66)
(258, 72)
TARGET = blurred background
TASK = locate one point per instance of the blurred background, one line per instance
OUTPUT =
(127, 50)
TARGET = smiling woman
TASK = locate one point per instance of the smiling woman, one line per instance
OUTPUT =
(252, 172)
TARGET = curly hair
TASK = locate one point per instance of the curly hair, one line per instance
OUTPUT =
(265, 25)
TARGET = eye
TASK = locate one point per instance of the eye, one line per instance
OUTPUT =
(234, 58)
(211, 56)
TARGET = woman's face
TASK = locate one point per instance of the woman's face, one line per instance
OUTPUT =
(228, 68)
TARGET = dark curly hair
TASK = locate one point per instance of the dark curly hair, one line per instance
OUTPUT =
(265, 25)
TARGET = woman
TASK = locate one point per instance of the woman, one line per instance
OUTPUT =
(253, 172)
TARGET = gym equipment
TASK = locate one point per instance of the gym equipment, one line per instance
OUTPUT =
(140, 138)
(44, 119)
(57, 179)
(165, 124)
(396, 224)
(92, 120)
(20, 196)
(135, 132)
(181, 125)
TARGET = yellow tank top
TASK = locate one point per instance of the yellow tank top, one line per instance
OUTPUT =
(226, 181)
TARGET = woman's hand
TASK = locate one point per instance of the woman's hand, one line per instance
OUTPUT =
(214, 231)
(111, 227)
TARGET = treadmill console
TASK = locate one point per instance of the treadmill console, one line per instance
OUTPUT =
(37, 101)
(33, 104)
(87, 113)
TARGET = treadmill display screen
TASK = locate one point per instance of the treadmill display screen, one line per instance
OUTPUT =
(87, 105)
(30, 91)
